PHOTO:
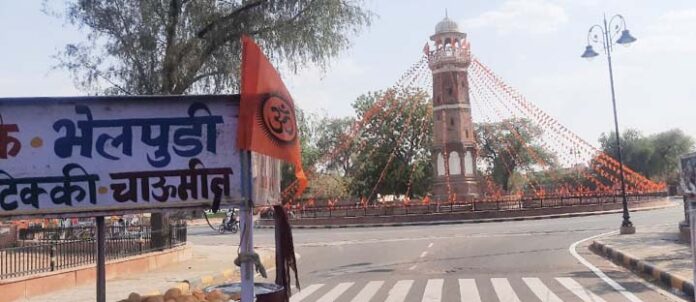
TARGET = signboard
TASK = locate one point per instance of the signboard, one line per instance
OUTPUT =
(116, 154)
(687, 163)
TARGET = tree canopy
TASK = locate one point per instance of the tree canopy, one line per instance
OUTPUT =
(655, 156)
(510, 146)
(181, 46)
(400, 131)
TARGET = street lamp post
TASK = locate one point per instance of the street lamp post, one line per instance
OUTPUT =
(607, 34)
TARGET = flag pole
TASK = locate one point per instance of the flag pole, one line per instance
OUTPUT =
(246, 241)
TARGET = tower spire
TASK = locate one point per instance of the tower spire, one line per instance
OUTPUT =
(446, 16)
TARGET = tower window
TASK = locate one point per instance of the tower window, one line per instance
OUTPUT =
(449, 91)
(438, 117)
(451, 122)
(466, 133)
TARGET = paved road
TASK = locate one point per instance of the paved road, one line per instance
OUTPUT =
(506, 261)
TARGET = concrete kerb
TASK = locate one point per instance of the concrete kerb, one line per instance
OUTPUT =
(643, 268)
(462, 221)
(217, 278)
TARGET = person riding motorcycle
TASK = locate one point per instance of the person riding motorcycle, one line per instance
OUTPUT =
(230, 218)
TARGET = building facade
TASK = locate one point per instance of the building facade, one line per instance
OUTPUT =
(454, 144)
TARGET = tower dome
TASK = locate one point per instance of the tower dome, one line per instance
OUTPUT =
(446, 26)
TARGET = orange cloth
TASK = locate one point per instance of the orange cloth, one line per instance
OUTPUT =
(267, 122)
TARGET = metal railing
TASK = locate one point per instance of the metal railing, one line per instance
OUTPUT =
(53, 249)
(524, 203)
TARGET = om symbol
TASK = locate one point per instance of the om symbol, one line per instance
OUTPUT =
(279, 118)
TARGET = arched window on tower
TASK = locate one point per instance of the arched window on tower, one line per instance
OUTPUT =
(440, 165)
(468, 164)
(455, 163)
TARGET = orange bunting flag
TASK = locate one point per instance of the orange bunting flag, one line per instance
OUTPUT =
(267, 122)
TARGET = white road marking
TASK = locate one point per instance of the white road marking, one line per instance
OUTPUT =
(540, 290)
(399, 291)
(412, 267)
(423, 254)
(468, 290)
(433, 290)
(430, 245)
(368, 291)
(504, 290)
(305, 292)
(335, 292)
(615, 285)
(577, 289)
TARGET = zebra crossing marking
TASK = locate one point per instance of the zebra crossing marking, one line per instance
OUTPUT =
(368, 291)
(504, 290)
(468, 291)
(540, 290)
(399, 291)
(335, 292)
(580, 291)
(433, 290)
(299, 296)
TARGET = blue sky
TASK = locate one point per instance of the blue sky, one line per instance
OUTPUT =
(533, 44)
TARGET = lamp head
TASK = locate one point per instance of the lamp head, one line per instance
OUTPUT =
(626, 38)
(589, 53)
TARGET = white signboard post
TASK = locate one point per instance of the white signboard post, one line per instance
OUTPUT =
(688, 181)
(96, 156)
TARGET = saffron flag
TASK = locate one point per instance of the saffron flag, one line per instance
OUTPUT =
(267, 122)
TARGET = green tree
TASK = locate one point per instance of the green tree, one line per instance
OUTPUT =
(332, 138)
(325, 185)
(511, 146)
(655, 156)
(637, 150)
(402, 127)
(181, 46)
(668, 146)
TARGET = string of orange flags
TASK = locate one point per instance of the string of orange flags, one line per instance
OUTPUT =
(592, 179)
(479, 105)
(423, 137)
(552, 126)
(356, 127)
(409, 119)
(598, 184)
(495, 100)
(515, 134)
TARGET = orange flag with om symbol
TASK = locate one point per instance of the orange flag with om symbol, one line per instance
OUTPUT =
(267, 122)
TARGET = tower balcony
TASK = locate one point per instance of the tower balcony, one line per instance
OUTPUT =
(449, 56)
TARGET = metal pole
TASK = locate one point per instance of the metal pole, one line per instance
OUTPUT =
(246, 241)
(101, 260)
(626, 225)
(690, 204)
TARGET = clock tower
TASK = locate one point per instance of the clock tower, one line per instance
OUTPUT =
(454, 144)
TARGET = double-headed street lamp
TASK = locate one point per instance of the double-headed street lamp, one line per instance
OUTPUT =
(607, 35)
